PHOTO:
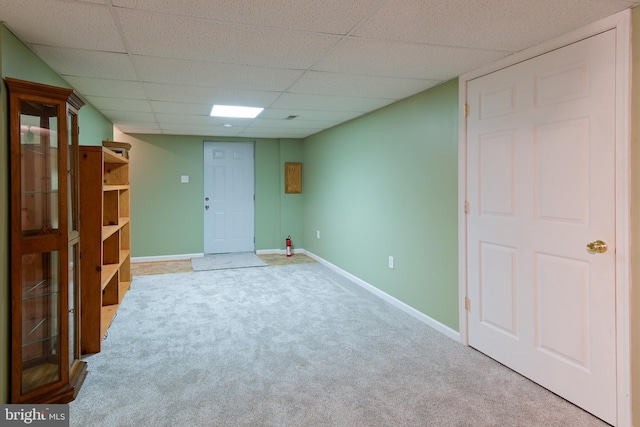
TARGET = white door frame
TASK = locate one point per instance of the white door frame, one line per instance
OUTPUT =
(622, 23)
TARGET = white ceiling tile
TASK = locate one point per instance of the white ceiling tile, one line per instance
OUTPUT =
(204, 120)
(328, 16)
(87, 63)
(329, 103)
(193, 127)
(198, 130)
(157, 66)
(405, 60)
(310, 115)
(130, 117)
(201, 73)
(61, 23)
(209, 95)
(324, 83)
(89, 86)
(277, 133)
(115, 104)
(491, 24)
(292, 124)
(137, 128)
(175, 122)
(191, 38)
(181, 108)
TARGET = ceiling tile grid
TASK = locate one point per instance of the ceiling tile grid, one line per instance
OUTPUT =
(328, 16)
(158, 66)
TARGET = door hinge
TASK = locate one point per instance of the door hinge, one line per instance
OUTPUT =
(466, 207)
(466, 110)
(467, 304)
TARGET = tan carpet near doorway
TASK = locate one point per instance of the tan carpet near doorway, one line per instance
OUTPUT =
(181, 266)
(276, 259)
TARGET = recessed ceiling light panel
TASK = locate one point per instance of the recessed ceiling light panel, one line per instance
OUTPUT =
(235, 111)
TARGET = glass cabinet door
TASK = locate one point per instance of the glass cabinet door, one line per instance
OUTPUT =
(39, 168)
(73, 175)
(74, 303)
(40, 273)
(44, 243)
(40, 326)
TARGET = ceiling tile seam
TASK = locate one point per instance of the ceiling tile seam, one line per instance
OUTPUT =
(330, 50)
(118, 24)
(206, 61)
(367, 18)
(98, 78)
(265, 92)
(287, 90)
(231, 23)
(381, 98)
(414, 43)
(141, 81)
(341, 38)
(75, 48)
(213, 86)
(152, 99)
(127, 46)
(152, 82)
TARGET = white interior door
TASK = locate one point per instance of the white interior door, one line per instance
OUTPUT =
(228, 197)
(541, 186)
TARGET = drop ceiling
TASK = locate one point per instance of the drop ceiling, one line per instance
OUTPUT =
(158, 66)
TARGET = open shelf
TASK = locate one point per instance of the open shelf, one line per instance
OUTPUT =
(107, 314)
(106, 240)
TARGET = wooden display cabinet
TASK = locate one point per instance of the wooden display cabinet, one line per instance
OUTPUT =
(45, 243)
(106, 236)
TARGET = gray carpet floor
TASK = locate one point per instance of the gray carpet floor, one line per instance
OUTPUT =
(294, 345)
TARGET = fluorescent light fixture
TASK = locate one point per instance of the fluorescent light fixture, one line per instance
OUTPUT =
(235, 111)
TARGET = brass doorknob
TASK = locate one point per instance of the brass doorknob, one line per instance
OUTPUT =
(597, 247)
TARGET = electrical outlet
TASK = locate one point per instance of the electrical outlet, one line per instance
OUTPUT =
(184, 179)
(391, 262)
(317, 234)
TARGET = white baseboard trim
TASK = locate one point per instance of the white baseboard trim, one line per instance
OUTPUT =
(278, 251)
(443, 329)
(269, 251)
(177, 257)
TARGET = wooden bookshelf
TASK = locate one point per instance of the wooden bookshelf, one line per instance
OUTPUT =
(106, 244)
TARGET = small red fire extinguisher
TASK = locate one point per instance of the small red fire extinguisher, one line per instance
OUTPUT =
(288, 243)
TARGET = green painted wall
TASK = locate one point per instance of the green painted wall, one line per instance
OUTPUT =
(291, 214)
(21, 63)
(167, 216)
(18, 61)
(386, 185)
(268, 194)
